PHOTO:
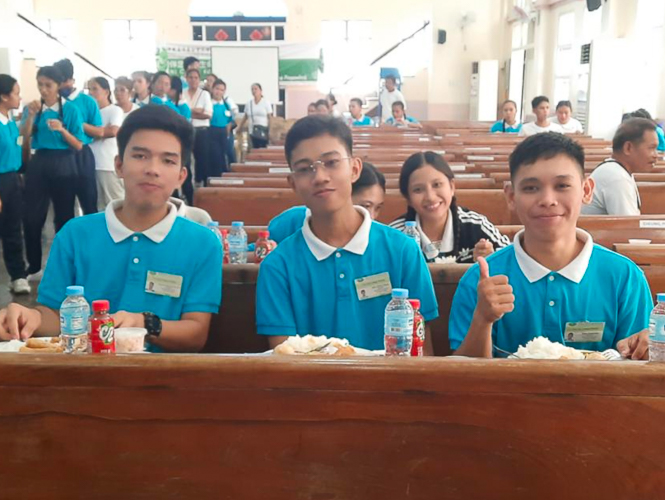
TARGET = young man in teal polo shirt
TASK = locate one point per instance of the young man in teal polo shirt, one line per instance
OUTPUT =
(158, 270)
(334, 276)
(553, 281)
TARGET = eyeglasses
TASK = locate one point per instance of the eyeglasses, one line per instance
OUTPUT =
(309, 171)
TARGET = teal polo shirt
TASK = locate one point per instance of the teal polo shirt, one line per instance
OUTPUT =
(10, 148)
(89, 110)
(221, 115)
(510, 129)
(45, 138)
(392, 121)
(365, 121)
(597, 286)
(305, 286)
(183, 110)
(163, 101)
(287, 223)
(661, 138)
(112, 262)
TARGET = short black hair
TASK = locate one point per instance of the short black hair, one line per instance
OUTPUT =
(392, 78)
(193, 70)
(566, 104)
(155, 117)
(317, 126)
(66, 68)
(545, 146)
(188, 61)
(631, 130)
(322, 102)
(7, 83)
(357, 100)
(369, 176)
(399, 104)
(536, 101)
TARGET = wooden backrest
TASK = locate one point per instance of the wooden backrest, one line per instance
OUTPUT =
(240, 181)
(256, 206)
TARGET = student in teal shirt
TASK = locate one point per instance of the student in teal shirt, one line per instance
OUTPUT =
(221, 125)
(400, 119)
(661, 138)
(509, 124)
(358, 119)
(158, 270)
(553, 279)
(160, 87)
(86, 183)
(311, 283)
(175, 97)
(53, 127)
(11, 187)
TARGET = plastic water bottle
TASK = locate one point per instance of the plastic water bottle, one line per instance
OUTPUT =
(214, 227)
(412, 231)
(237, 243)
(74, 314)
(398, 326)
(657, 330)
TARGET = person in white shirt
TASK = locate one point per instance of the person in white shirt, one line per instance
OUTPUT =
(258, 112)
(634, 149)
(200, 104)
(564, 111)
(388, 96)
(332, 103)
(105, 149)
(541, 108)
(123, 95)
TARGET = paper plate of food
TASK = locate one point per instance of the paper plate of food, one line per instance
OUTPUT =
(41, 345)
(543, 348)
(311, 345)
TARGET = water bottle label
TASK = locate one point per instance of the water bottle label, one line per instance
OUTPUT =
(657, 329)
(399, 325)
(73, 324)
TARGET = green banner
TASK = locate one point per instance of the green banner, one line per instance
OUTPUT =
(299, 70)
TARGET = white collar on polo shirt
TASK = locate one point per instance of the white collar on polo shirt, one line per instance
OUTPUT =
(119, 232)
(574, 271)
(55, 107)
(447, 243)
(4, 120)
(73, 95)
(358, 244)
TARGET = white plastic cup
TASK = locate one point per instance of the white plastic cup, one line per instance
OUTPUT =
(129, 340)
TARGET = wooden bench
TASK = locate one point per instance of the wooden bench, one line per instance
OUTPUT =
(284, 428)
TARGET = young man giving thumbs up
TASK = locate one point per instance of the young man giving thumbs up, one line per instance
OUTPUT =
(553, 281)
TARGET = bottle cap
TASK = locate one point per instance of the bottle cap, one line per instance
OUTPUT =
(264, 234)
(225, 232)
(238, 223)
(410, 223)
(660, 297)
(400, 293)
(100, 305)
(75, 290)
(213, 223)
(415, 303)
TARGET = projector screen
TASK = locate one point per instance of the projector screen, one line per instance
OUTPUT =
(240, 67)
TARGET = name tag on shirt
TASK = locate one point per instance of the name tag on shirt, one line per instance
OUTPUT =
(19, 140)
(169, 285)
(370, 287)
(584, 332)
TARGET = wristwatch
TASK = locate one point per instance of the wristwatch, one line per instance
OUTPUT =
(152, 323)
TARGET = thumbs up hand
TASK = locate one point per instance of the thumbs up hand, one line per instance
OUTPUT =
(495, 295)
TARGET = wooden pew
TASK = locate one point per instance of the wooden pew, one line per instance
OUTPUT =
(643, 255)
(256, 206)
(284, 428)
(391, 183)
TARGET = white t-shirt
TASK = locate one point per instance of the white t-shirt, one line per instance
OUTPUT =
(105, 150)
(572, 127)
(615, 192)
(201, 99)
(531, 128)
(387, 99)
(134, 108)
(257, 114)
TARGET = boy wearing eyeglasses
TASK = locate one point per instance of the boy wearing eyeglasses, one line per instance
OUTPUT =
(334, 276)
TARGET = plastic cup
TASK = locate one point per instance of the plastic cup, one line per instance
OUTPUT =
(129, 339)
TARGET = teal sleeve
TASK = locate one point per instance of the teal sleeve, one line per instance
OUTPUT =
(274, 310)
(417, 278)
(464, 305)
(60, 271)
(633, 314)
(497, 127)
(204, 293)
(287, 223)
(73, 121)
(661, 139)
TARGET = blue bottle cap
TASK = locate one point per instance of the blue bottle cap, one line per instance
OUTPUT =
(410, 223)
(74, 290)
(400, 293)
(237, 223)
(213, 223)
(660, 297)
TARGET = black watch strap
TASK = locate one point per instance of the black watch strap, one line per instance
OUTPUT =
(152, 323)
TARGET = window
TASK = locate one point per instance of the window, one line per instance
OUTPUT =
(45, 50)
(129, 45)
(219, 33)
(346, 49)
(566, 56)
